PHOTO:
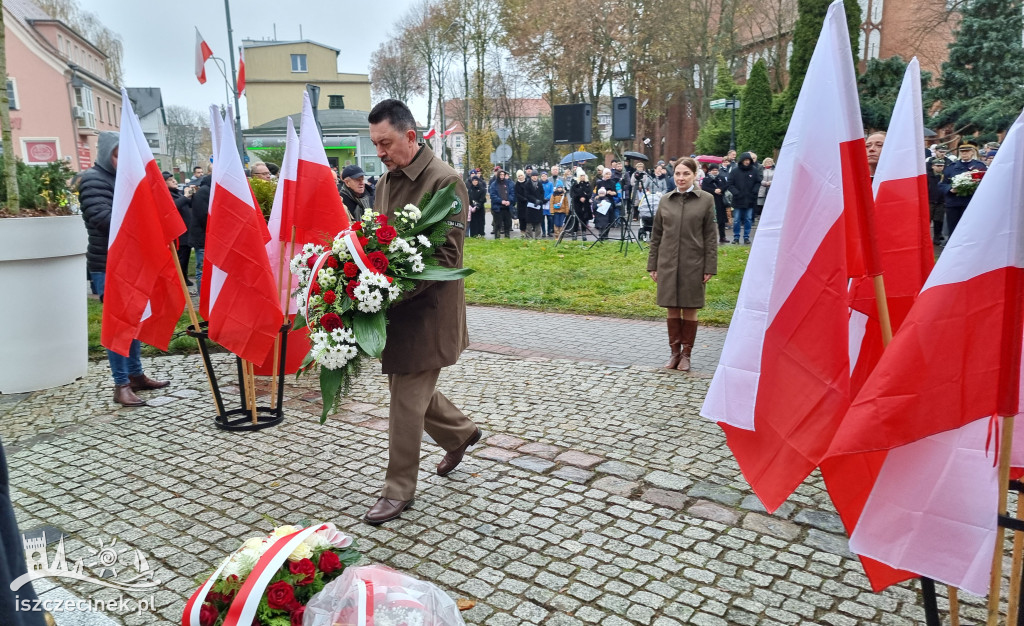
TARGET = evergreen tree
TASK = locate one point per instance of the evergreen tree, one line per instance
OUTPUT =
(879, 87)
(713, 137)
(980, 85)
(755, 128)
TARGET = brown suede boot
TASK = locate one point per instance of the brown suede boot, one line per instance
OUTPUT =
(675, 340)
(124, 396)
(688, 335)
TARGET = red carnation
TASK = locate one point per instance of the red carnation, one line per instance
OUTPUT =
(350, 289)
(304, 567)
(977, 175)
(329, 562)
(332, 262)
(390, 280)
(316, 289)
(331, 321)
(311, 262)
(280, 595)
(363, 241)
(382, 219)
(357, 226)
(297, 616)
(330, 297)
(208, 614)
(350, 269)
(378, 261)
(385, 234)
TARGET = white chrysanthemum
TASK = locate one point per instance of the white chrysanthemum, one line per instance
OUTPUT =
(393, 293)
(308, 248)
(351, 351)
(375, 296)
(412, 212)
(320, 336)
(361, 291)
(327, 281)
(417, 266)
(423, 240)
(368, 307)
(338, 335)
(416, 256)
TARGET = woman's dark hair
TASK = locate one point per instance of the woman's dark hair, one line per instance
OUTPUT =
(396, 114)
(691, 164)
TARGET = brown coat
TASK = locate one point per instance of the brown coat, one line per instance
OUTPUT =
(426, 328)
(684, 247)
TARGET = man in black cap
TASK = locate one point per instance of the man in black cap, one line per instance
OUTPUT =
(956, 205)
(353, 192)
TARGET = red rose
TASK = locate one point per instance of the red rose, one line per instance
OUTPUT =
(977, 175)
(311, 262)
(357, 226)
(350, 269)
(378, 261)
(316, 289)
(385, 235)
(350, 288)
(297, 616)
(332, 262)
(382, 219)
(208, 614)
(330, 297)
(304, 567)
(280, 595)
(363, 241)
(329, 562)
(331, 321)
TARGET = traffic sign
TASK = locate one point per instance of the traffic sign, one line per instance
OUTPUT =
(503, 152)
(724, 103)
(503, 133)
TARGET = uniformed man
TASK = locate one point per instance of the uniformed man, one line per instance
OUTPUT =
(426, 328)
(956, 205)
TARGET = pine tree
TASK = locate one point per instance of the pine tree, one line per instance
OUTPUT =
(713, 137)
(980, 85)
(879, 86)
(755, 128)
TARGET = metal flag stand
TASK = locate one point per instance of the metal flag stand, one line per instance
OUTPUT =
(249, 415)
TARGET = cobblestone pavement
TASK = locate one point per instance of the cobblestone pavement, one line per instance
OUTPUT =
(598, 495)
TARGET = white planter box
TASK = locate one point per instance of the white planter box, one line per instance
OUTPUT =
(44, 325)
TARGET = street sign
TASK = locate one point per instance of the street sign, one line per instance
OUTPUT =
(503, 134)
(724, 103)
(494, 159)
(503, 152)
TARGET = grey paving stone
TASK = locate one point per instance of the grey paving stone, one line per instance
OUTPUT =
(752, 503)
(615, 485)
(542, 450)
(661, 497)
(666, 480)
(822, 520)
(828, 542)
(496, 454)
(622, 470)
(775, 527)
(532, 463)
(579, 459)
(714, 512)
(573, 474)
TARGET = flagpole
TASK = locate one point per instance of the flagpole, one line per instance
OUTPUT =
(234, 90)
(283, 294)
(1013, 607)
(193, 317)
(994, 585)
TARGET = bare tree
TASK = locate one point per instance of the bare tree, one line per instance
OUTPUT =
(421, 29)
(90, 27)
(185, 135)
(10, 165)
(395, 71)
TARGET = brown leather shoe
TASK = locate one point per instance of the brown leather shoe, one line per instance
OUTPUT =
(452, 459)
(386, 510)
(124, 396)
(143, 382)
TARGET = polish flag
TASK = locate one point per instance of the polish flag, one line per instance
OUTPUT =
(931, 399)
(143, 298)
(430, 133)
(450, 130)
(907, 256)
(783, 382)
(203, 53)
(240, 86)
(244, 311)
(216, 130)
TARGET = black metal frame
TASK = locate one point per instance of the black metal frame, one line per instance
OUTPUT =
(240, 419)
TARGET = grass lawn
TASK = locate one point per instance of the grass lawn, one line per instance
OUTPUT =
(570, 278)
(180, 343)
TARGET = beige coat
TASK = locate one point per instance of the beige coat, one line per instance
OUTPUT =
(427, 328)
(684, 247)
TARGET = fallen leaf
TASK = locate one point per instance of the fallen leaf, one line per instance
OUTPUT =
(275, 484)
(464, 604)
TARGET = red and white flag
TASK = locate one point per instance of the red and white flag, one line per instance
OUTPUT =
(143, 298)
(931, 399)
(907, 256)
(240, 303)
(783, 382)
(284, 201)
(430, 133)
(203, 53)
(240, 87)
(450, 130)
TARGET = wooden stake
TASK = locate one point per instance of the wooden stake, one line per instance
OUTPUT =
(954, 607)
(883, 311)
(194, 319)
(252, 391)
(995, 581)
(283, 294)
(1013, 607)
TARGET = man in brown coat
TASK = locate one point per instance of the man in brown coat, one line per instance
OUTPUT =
(427, 328)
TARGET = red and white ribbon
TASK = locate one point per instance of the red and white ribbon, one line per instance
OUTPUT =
(319, 265)
(356, 250)
(191, 615)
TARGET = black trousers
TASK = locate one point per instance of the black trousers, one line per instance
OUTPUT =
(477, 223)
(502, 224)
(184, 253)
(953, 215)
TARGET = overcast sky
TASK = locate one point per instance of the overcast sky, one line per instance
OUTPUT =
(159, 38)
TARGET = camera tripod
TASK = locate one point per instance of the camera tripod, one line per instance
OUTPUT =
(572, 224)
(626, 235)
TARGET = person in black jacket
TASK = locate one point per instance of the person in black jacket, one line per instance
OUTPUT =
(503, 198)
(956, 205)
(477, 200)
(96, 195)
(581, 195)
(716, 186)
(197, 228)
(744, 183)
(936, 196)
(523, 197)
(13, 566)
(183, 202)
(534, 208)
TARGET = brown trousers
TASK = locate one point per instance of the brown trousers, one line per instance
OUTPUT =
(417, 406)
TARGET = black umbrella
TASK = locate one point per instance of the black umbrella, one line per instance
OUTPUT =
(629, 154)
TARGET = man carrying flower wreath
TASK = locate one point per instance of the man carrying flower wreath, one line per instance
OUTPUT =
(956, 204)
(427, 327)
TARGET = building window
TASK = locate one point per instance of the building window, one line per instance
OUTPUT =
(12, 94)
(335, 102)
(874, 43)
(876, 11)
(299, 63)
(83, 100)
(110, 117)
(99, 109)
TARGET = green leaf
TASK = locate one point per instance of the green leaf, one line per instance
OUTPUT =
(439, 207)
(300, 322)
(348, 556)
(371, 333)
(330, 383)
(440, 273)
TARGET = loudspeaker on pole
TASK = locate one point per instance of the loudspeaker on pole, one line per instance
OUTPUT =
(572, 123)
(623, 118)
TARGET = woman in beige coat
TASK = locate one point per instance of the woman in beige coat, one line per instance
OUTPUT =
(683, 257)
